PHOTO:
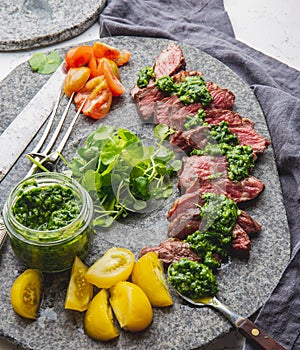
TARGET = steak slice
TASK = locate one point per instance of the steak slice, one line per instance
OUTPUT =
(247, 135)
(216, 116)
(169, 109)
(197, 138)
(247, 223)
(187, 202)
(184, 217)
(222, 98)
(184, 224)
(240, 244)
(169, 61)
(197, 175)
(171, 250)
(146, 100)
(189, 139)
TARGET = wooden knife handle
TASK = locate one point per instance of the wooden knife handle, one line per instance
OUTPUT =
(257, 335)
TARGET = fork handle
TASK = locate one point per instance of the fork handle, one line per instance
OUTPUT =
(257, 335)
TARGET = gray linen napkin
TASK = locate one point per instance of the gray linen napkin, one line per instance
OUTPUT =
(206, 25)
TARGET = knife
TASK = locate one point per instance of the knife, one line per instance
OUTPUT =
(17, 136)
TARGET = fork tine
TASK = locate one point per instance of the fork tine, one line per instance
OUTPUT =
(39, 145)
(67, 134)
(55, 154)
(59, 126)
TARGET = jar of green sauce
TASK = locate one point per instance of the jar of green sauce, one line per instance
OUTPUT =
(49, 218)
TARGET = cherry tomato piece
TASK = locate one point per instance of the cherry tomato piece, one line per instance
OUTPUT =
(123, 58)
(103, 50)
(94, 67)
(98, 103)
(148, 273)
(80, 291)
(76, 79)
(97, 97)
(85, 92)
(113, 82)
(131, 306)
(78, 56)
(114, 266)
(98, 320)
(112, 64)
(25, 294)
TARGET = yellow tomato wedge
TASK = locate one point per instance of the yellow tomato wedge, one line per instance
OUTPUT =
(75, 79)
(114, 266)
(131, 306)
(98, 319)
(148, 273)
(80, 291)
(26, 293)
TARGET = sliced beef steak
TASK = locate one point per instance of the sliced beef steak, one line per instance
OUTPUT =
(197, 138)
(247, 135)
(171, 250)
(216, 116)
(247, 223)
(169, 61)
(184, 217)
(240, 244)
(198, 174)
(222, 98)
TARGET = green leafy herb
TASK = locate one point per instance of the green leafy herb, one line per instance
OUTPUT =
(192, 279)
(45, 64)
(122, 174)
(145, 75)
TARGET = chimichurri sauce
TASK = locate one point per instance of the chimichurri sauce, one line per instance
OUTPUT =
(46, 208)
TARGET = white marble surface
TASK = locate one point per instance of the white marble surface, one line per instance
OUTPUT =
(270, 26)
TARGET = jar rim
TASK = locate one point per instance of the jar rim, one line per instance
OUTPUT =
(86, 203)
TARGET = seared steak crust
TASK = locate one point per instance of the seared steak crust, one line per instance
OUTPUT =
(171, 250)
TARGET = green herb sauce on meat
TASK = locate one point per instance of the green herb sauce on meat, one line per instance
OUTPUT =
(218, 217)
(192, 279)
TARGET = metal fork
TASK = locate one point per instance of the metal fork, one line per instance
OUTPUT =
(39, 157)
(46, 156)
(245, 326)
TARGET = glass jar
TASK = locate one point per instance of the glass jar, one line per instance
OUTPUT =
(49, 249)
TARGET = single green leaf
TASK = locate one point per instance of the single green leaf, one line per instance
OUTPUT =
(161, 131)
(37, 61)
(45, 64)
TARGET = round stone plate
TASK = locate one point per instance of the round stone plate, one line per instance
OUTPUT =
(244, 284)
(35, 23)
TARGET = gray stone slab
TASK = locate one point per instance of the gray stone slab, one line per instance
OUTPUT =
(244, 285)
(34, 23)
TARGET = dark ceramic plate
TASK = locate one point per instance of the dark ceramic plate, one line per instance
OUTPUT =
(244, 285)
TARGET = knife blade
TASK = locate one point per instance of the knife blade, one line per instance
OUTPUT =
(17, 136)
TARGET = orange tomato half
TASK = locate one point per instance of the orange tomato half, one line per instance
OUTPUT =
(78, 56)
(104, 50)
(113, 82)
